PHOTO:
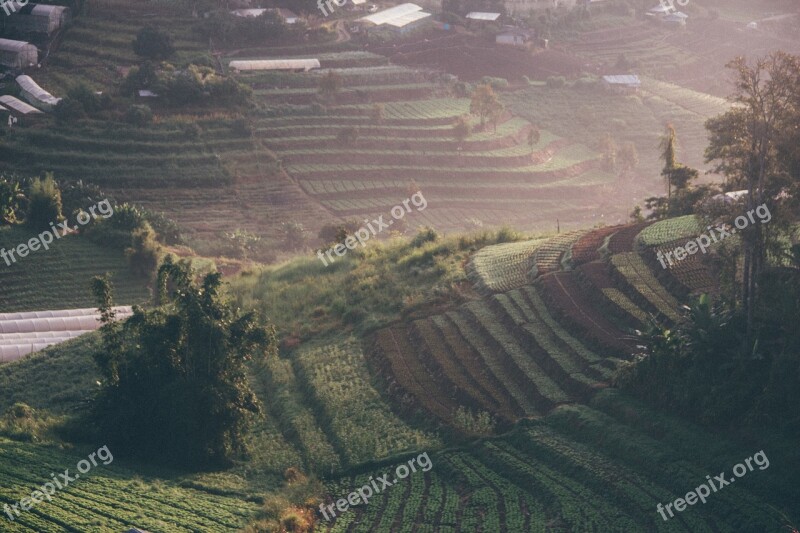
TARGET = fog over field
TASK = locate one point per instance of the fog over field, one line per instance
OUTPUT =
(386, 266)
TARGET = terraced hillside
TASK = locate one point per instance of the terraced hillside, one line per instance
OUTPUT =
(599, 468)
(60, 278)
(490, 173)
(108, 498)
(556, 319)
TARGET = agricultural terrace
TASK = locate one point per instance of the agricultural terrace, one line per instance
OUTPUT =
(573, 113)
(357, 164)
(60, 278)
(109, 498)
(586, 468)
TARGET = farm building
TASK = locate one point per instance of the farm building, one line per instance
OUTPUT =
(17, 54)
(35, 95)
(401, 18)
(36, 18)
(288, 16)
(625, 84)
(18, 107)
(515, 36)
(479, 15)
(297, 65)
(520, 7)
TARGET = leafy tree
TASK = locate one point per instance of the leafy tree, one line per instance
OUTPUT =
(144, 251)
(484, 103)
(68, 110)
(139, 115)
(628, 157)
(82, 93)
(244, 241)
(330, 85)
(44, 204)
(153, 43)
(749, 146)
(175, 387)
(462, 129)
(295, 235)
(668, 146)
(534, 136)
(609, 150)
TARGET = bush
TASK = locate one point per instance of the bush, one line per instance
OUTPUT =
(496, 83)
(139, 115)
(424, 235)
(68, 110)
(143, 254)
(556, 82)
(153, 43)
(44, 204)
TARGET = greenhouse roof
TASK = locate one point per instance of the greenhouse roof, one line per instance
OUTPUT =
(32, 88)
(275, 64)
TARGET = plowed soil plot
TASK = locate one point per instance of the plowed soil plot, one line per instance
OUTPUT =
(470, 58)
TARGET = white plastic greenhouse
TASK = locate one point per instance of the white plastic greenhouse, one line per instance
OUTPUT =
(274, 64)
(36, 18)
(35, 95)
(24, 333)
(18, 54)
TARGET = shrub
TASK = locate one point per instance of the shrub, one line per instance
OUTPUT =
(496, 83)
(556, 82)
(424, 235)
(139, 115)
(153, 43)
(68, 110)
(143, 254)
(22, 422)
(44, 204)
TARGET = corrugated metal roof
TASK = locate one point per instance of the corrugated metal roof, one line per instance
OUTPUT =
(625, 79)
(383, 17)
(275, 64)
(18, 105)
(480, 15)
(14, 46)
(32, 88)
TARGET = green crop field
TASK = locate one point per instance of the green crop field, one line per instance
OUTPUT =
(60, 278)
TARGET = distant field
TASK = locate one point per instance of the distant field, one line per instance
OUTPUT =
(60, 278)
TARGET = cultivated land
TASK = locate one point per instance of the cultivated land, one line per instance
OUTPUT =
(382, 349)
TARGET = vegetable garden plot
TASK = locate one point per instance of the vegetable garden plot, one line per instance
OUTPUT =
(502, 267)
(631, 268)
(548, 256)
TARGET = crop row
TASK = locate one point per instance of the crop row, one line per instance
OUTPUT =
(548, 255)
(502, 267)
(635, 272)
(340, 382)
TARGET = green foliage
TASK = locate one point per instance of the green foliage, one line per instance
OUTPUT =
(223, 26)
(89, 100)
(485, 104)
(174, 378)
(22, 422)
(144, 252)
(139, 115)
(153, 43)
(11, 200)
(69, 110)
(556, 82)
(44, 204)
(462, 128)
(330, 85)
(475, 424)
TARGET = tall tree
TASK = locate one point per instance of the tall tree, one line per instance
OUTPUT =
(484, 103)
(668, 147)
(175, 384)
(746, 144)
